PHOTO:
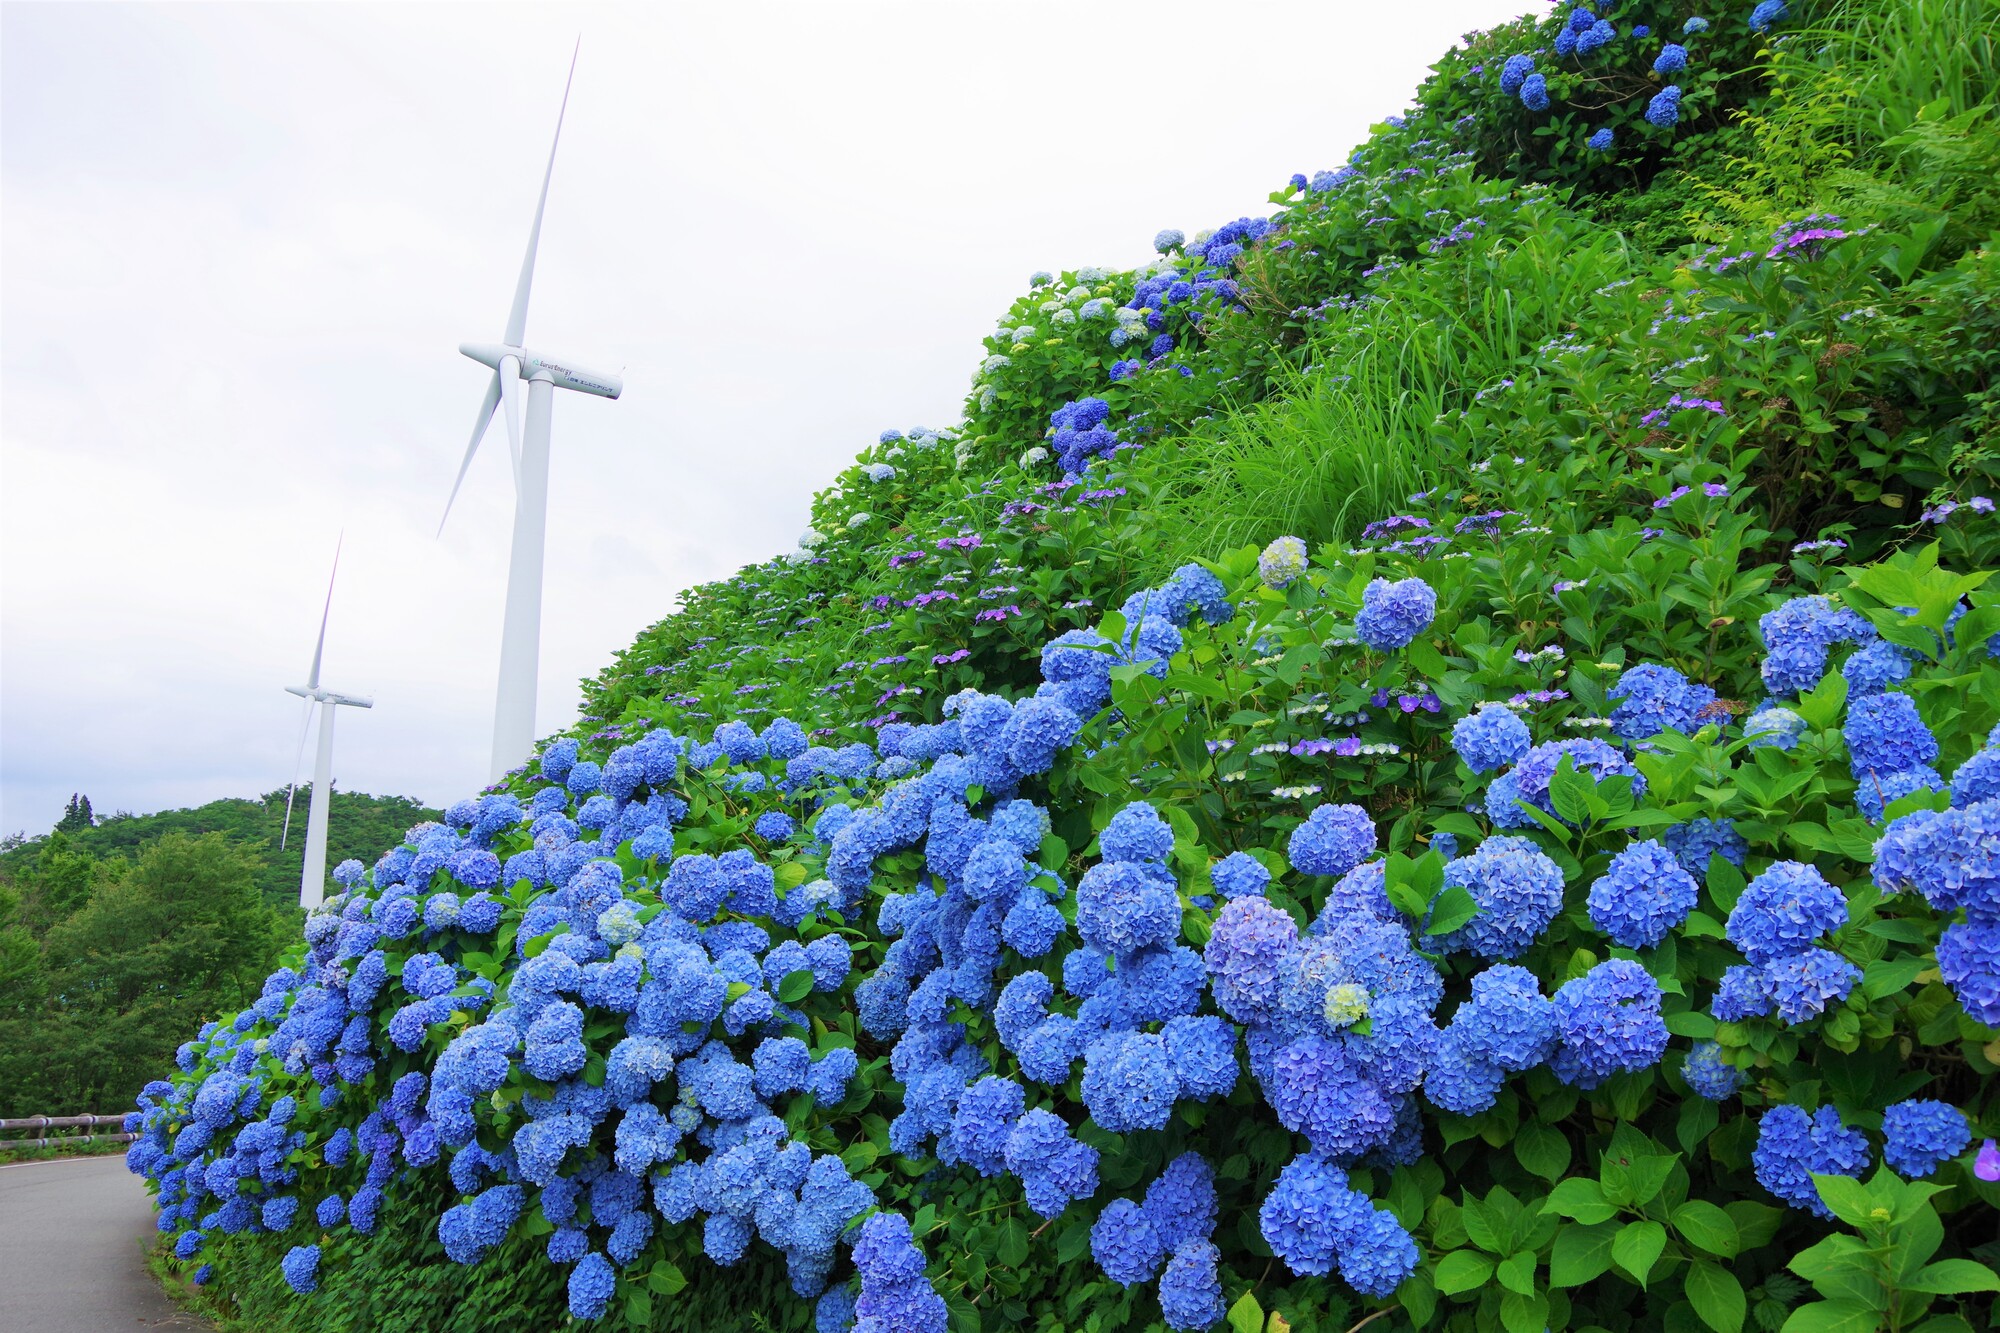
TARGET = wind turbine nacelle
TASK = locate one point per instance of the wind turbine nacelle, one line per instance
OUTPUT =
(565, 375)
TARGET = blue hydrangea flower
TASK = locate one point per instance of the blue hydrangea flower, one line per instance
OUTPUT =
(1886, 734)
(1128, 1081)
(301, 1268)
(1246, 955)
(1952, 857)
(1695, 841)
(1664, 110)
(1768, 724)
(1642, 896)
(1508, 1021)
(1333, 840)
(1694, 25)
(1977, 779)
(1518, 891)
(1784, 910)
(1394, 614)
(1767, 13)
(1309, 1213)
(1191, 1286)
(1968, 955)
(1601, 140)
(1515, 72)
(1535, 93)
(1608, 1021)
(1171, 238)
(1123, 906)
(1528, 781)
(1921, 1136)
(1491, 738)
(1803, 984)
(1708, 1074)
(1238, 874)
(774, 826)
(1875, 792)
(1136, 833)
(1792, 1147)
(1798, 634)
(1744, 992)
(1653, 698)
(1673, 58)
(1379, 1255)
(1125, 1243)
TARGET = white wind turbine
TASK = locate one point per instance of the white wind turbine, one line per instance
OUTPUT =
(520, 637)
(312, 876)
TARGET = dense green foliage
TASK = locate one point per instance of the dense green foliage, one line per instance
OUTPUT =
(90, 1008)
(1634, 446)
(98, 983)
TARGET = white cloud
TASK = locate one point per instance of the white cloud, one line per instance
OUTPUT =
(242, 243)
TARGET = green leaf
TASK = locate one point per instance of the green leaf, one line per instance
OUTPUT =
(1581, 1198)
(1846, 1196)
(1012, 1247)
(1517, 1273)
(796, 986)
(1691, 1023)
(666, 1278)
(1581, 1254)
(1637, 1248)
(1887, 976)
(1542, 1150)
(1524, 1314)
(1953, 1277)
(1707, 1227)
(1424, 656)
(1569, 792)
(1716, 1296)
(1454, 907)
(1246, 1316)
(1833, 1317)
(1637, 1182)
(1462, 1270)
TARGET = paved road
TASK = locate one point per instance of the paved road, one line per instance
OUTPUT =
(73, 1236)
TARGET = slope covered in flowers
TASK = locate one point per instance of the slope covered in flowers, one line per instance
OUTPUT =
(1560, 892)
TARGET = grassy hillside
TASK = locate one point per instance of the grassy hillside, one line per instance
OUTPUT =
(1426, 760)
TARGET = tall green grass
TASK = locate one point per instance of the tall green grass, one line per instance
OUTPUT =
(1350, 438)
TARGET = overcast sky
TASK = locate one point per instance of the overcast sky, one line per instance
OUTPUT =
(239, 245)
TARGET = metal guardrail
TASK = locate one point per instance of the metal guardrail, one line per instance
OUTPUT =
(48, 1122)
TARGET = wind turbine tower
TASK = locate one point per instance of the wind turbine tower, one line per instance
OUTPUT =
(511, 362)
(312, 876)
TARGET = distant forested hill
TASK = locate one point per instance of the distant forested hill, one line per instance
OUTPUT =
(120, 936)
(359, 826)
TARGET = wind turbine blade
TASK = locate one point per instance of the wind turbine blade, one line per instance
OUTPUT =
(478, 433)
(305, 729)
(509, 376)
(319, 649)
(517, 318)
